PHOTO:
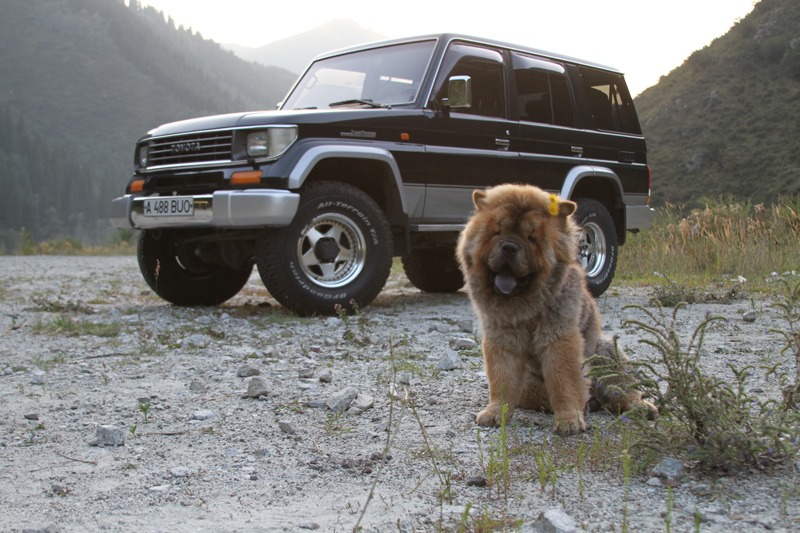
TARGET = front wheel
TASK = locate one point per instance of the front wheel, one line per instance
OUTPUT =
(598, 248)
(172, 266)
(337, 251)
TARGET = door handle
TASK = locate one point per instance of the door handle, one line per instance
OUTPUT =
(577, 151)
(503, 144)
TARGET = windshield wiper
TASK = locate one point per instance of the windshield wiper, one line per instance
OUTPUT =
(356, 101)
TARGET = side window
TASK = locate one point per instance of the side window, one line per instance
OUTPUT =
(485, 68)
(609, 101)
(542, 92)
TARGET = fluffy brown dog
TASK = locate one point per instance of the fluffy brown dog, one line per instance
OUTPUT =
(518, 253)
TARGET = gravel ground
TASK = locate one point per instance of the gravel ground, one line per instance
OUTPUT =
(119, 412)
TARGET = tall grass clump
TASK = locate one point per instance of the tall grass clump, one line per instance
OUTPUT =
(723, 238)
(716, 421)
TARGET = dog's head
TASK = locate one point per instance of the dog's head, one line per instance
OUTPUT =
(516, 237)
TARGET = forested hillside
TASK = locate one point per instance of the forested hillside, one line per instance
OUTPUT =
(727, 122)
(80, 81)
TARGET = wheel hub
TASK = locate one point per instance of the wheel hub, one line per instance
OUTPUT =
(327, 250)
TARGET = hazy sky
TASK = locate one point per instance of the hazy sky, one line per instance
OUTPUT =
(644, 38)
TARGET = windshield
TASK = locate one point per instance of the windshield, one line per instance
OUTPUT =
(381, 77)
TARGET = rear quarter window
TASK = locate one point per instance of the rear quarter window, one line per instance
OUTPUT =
(609, 101)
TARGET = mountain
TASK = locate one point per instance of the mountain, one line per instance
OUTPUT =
(295, 53)
(83, 79)
(727, 121)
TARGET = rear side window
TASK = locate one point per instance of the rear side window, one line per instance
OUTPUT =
(609, 101)
(542, 91)
(485, 68)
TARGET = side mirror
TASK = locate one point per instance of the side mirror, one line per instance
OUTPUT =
(459, 92)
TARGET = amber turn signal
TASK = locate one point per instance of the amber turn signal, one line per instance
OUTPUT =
(250, 177)
(137, 185)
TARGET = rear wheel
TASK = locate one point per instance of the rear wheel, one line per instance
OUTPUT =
(337, 251)
(433, 269)
(598, 248)
(171, 265)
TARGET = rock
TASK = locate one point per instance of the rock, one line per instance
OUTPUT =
(204, 415)
(247, 371)
(286, 427)
(341, 401)
(308, 525)
(198, 385)
(449, 360)
(107, 435)
(256, 388)
(363, 402)
(179, 472)
(305, 373)
(326, 375)
(463, 344)
(655, 482)
(477, 481)
(37, 377)
(553, 521)
(749, 316)
(31, 416)
(670, 470)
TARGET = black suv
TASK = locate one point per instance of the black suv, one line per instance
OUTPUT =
(374, 154)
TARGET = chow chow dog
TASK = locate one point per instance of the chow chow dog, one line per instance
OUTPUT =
(540, 324)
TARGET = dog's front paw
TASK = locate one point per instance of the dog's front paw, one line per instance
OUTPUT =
(491, 416)
(488, 417)
(569, 424)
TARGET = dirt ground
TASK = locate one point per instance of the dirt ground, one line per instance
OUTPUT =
(119, 412)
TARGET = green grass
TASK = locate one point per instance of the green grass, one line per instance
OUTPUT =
(717, 243)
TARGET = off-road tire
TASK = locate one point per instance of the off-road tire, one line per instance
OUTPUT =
(433, 269)
(598, 249)
(175, 272)
(336, 252)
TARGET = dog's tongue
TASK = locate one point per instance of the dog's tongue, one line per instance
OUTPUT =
(505, 282)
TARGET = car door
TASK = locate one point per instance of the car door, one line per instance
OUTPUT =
(467, 147)
(543, 102)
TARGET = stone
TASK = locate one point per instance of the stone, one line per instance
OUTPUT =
(204, 415)
(670, 470)
(287, 427)
(107, 435)
(340, 401)
(363, 402)
(256, 388)
(554, 521)
(749, 316)
(326, 375)
(179, 472)
(449, 360)
(463, 344)
(198, 385)
(247, 371)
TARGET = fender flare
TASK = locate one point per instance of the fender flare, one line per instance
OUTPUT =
(311, 157)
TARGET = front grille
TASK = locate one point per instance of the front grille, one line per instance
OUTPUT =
(191, 148)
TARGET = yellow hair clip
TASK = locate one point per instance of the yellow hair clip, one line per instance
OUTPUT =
(554, 205)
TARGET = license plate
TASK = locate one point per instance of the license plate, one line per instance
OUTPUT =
(169, 206)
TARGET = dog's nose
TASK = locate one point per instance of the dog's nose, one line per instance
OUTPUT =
(510, 248)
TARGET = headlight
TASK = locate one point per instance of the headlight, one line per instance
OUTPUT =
(270, 142)
(141, 156)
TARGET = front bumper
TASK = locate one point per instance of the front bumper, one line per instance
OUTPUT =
(250, 208)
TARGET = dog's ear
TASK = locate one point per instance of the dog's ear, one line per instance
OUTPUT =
(566, 208)
(479, 198)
